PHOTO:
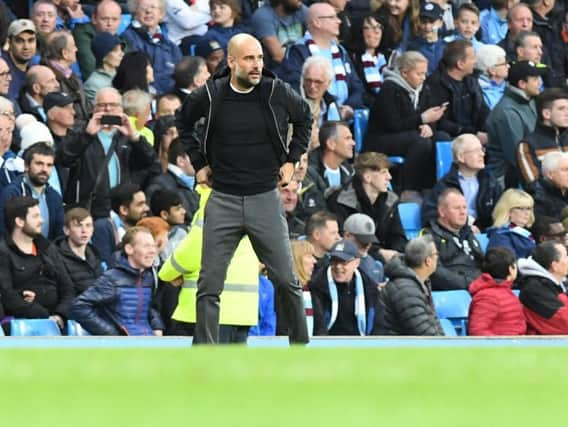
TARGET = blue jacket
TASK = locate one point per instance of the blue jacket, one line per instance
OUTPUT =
(433, 51)
(119, 303)
(521, 246)
(492, 91)
(163, 55)
(19, 188)
(291, 72)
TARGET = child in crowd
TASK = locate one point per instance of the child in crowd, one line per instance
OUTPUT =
(169, 206)
(429, 42)
(467, 25)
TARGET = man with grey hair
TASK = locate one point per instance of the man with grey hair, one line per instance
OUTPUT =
(519, 18)
(137, 105)
(406, 306)
(104, 155)
(468, 175)
(492, 63)
(551, 190)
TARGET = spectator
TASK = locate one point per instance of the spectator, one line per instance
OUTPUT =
(322, 231)
(459, 251)
(5, 78)
(406, 306)
(81, 260)
(401, 24)
(213, 53)
(549, 134)
(129, 73)
(22, 45)
(320, 40)
(160, 230)
(128, 203)
(494, 69)
(167, 105)
(467, 25)
(546, 228)
(6, 131)
(44, 16)
(512, 218)
(289, 198)
(402, 122)
(543, 294)
(40, 81)
(226, 15)
(190, 73)
(316, 79)
(105, 18)
(455, 84)
(178, 178)
(367, 59)
(58, 108)
(87, 154)
(33, 281)
(448, 20)
(328, 165)
(368, 193)
(494, 308)
(108, 51)
(168, 205)
(144, 34)
(493, 22)
(70, 13)
(519, 18)
(165, 132)
(278, 25)
(310, 199)
(429, 43)
(137, 106)
(303, 256)
(469, 176)
(359, 229)
(511, 120)
(120, 301)
(550, 190)
(60, 54)
(343, 298)
(38, 165)
(184, 20)
(345, 28)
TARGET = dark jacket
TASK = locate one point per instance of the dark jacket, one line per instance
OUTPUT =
(521, 246)
(442, 91)
(163, 55)
(487, 196)
(534, 146)
(82, 272)
(321, 302)
(494, 308)
(351, 198)
(169, 181)
(459, 257)
(119, 303)
(19, 188)
(545, 303)
(284, 107)
(27, 108)
(548, 199)
(549, 32)
(406, 306)
(85, 156)
(42, 273)
(316, 170)
(291, 71)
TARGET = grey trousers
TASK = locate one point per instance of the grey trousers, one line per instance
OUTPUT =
(262, 218)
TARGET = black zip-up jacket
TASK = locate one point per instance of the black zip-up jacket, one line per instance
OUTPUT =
(83, 272)
(548, 199)
(283, 107)
(487, 196)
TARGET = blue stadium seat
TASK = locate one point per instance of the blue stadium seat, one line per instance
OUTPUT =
(410, 218)
(74, 329)
(34, 327)
(454, 306)
(483, 240)
(448, 328)
(517, 292)
(360, 122)
(443, 158)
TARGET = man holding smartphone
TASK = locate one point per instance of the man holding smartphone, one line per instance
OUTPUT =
(243, 156)
(107, 153)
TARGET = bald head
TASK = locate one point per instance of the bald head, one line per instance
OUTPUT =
(322, 20)
(245, 60)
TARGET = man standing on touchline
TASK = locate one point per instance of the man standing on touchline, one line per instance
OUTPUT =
(243, 155)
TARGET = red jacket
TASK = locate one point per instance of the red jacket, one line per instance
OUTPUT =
(494, 309)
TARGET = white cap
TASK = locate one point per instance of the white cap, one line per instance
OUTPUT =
(35, 132)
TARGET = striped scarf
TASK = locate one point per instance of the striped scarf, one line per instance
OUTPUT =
(372, 69)
(309, 309)
(360, 310)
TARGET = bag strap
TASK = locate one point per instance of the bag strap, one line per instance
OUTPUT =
(102, 171)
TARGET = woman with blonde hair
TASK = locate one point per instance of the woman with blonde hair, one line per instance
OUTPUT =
(512, 216)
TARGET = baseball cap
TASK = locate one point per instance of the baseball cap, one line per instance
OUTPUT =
(520, 70)
(102, 44)
(206, 47)
(344, 250)
(56, 99)
(19, 26)
(362, 227)
(431, 10)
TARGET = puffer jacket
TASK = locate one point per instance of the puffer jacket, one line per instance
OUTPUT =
(406, 306)
(494, 308)
(83, 272)
(119, 303)
(548, 199)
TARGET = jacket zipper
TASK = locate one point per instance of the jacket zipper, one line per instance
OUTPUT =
(274, 118)
(208, 120)
(139, 291)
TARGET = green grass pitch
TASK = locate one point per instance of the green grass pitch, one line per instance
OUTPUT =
(239, 386)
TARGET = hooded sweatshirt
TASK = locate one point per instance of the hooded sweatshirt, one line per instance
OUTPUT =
(494, 308)
(395, 77)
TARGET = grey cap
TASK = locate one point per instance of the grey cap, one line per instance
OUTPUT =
(362, 227)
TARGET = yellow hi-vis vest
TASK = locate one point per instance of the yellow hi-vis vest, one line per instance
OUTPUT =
(239, 300)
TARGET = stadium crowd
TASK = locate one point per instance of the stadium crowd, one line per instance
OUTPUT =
(101, 211)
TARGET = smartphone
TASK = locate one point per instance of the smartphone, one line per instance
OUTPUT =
(111, 120)
(445, 104)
